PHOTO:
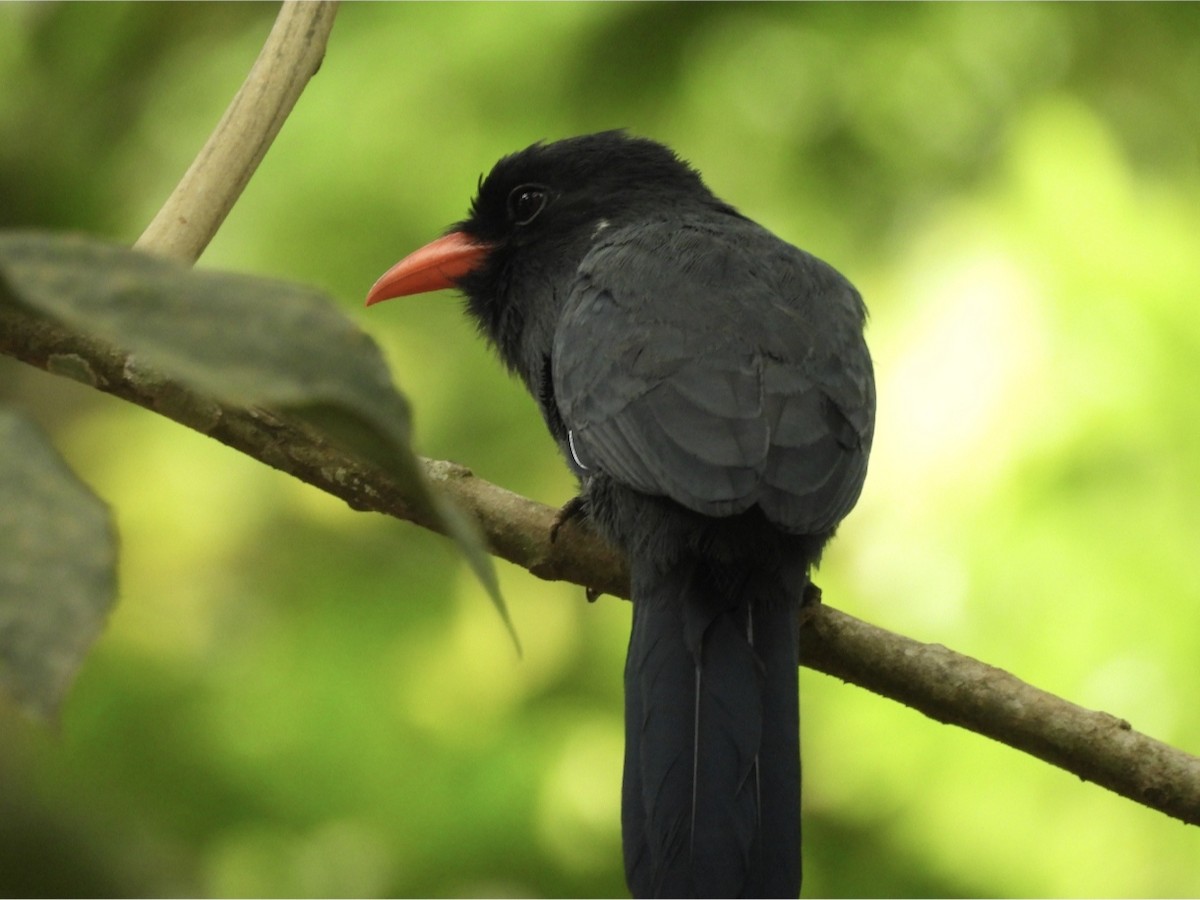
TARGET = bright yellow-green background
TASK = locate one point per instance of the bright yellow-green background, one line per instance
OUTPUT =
(294, 699)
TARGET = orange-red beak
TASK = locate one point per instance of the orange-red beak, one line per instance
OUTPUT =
(435, 266)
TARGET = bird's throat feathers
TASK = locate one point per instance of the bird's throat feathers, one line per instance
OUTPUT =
(516, 307)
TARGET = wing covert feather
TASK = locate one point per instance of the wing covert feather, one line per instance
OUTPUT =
(686, 368)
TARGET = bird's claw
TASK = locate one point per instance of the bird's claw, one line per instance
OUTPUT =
(575, 508)
(811, 597)
(809, 601)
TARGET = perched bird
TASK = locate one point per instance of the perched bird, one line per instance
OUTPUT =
(709, 385)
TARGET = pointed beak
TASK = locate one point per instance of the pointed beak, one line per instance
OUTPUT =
(435, 266)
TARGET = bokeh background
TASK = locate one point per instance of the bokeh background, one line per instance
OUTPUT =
(293, 699)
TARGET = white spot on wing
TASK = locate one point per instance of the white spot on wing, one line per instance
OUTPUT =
(574, 454)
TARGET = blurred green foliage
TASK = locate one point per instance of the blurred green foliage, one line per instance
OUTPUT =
(294, 699)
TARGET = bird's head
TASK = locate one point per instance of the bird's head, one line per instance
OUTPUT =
(533, 219)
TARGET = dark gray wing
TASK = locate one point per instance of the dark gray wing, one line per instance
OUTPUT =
(708, 361)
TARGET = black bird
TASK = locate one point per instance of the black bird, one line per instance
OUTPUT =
(709, 385)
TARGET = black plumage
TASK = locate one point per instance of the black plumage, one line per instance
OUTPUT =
(710, 386)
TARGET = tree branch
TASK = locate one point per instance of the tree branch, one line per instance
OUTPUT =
(938, 682)
(958, 690)
(212, 184)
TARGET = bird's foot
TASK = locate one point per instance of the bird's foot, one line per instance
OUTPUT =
(812, 596)
(575, 508)
(809, 601)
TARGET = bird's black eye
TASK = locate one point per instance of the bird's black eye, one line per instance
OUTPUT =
(526, 202)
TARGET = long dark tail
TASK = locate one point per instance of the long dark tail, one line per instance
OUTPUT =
(711, 795)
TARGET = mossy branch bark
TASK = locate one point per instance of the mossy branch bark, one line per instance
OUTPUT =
(942, 684)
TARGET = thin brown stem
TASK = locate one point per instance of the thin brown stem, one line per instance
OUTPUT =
(216, 178)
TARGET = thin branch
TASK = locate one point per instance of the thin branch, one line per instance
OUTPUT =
(212, 184)
(940, 683)
(958, 690)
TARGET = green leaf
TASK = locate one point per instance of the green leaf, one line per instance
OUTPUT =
(58, 552)
(244, 340)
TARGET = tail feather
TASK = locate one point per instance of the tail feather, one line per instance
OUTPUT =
(776, 642)
(710, 803)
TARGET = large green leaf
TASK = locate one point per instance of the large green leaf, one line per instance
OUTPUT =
(244, 340)
(58, 554)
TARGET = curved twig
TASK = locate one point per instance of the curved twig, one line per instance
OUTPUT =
(214, 181)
